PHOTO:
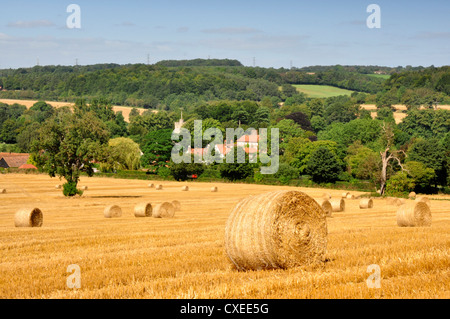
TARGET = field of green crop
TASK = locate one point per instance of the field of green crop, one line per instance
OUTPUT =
(321, 91)
(382, 76)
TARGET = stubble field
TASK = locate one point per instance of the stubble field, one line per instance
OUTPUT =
(184, 257)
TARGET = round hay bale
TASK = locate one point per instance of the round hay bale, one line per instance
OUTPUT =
(423, 200)
(29, 217)
(412, 195)
(164, 210)
(280, 229)
(344, 195)
(416, 214)
(185, 188)
(58, 186)
(177, 205)
(326, 206)
(84, 188)
(2, 191)
(151, 185)
(143, 210)
(366, 203)
(214, 189)
(338, 205)
(350, 196)
(159, 187)
(394, 201)
(326, 196)
(112, 211)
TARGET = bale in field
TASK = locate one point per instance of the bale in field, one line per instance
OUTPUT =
(280, 229)
(350, 196)
(416, 214)
(143, 210)
(2, 191)
(28, 217)
(177, 205)
(159, 187)
(326, 206)
(214, 189)
(366, 203)
(151, 185)
(394, 201)
(58, 186)
(185, 188)
(164, 210)
(412, 195)
(112, 211)
(344, 195)
(338, 205)
(84, 188)
(326, 196)
(423, 200)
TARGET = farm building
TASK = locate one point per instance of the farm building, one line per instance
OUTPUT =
(13, 160)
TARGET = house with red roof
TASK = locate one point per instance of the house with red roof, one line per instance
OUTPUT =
(13, 160)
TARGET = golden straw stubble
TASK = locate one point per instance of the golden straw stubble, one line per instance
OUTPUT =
(280, 229)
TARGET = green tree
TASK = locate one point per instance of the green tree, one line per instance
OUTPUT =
(236, 171)
(157, 148)
(123, 154)
(323, 166)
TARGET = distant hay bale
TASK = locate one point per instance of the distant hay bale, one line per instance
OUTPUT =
(412, 195)
(28, 217)
(2, 191)
(143, 210)
(159, 187)
(214, 189)
(164, 210)
(280, 229)
(423, 200)
(350, 196)
(177, 205)
(326, 196)
(112, 211)
(185, 188)
(84, 188)
(344, 195)
(366, 203)
(326, 206)
(415, 214)
(151, 185)
(58, 186)
(338, 205)
(394, 201)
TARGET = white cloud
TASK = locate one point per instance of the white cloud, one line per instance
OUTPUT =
(30, 24)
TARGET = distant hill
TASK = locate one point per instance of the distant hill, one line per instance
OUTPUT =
(199, 62)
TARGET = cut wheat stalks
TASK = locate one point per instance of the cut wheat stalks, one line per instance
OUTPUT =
(159, 187)
(112, 211)
(164, 210)
(422, 199)
(366, 203)
(338, 205)
(185, 188)
(325, 205)
(280, 229)
(143, 210)
(29, 217)
(177, 205)
(415, 214)
(214, 189)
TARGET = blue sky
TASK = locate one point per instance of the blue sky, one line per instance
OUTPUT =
(275, 33)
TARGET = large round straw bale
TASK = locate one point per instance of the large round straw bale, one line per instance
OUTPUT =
(344, 195)
(326, 206)
(177, 205)
(214, 189)
(350, 196)
(423, 200)
(366, 203)
(143, 210)
(164, 210)
(159, 187)
(151, 185)
(280, 229)
(412, 195)
(185, 188)
(338, 205)
(415, 214)
(29, 217)
(112, 211)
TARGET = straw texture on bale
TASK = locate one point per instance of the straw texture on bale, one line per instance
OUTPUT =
(423, 200)
(344, 195)
(164, 210)
(143, 210)
(177, 205)
(112, 211)
(185, 188)
(415, 214)
(280, 229)
(214, 189)
(159, 187)
(338, 205)
(366, 203)
(29, 217)
(412, 195)
(325, 205)
(151, 185)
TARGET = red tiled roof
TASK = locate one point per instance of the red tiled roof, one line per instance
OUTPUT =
(27, 166)
(14, 160)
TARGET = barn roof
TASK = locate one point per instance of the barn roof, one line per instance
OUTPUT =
(14, 160)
